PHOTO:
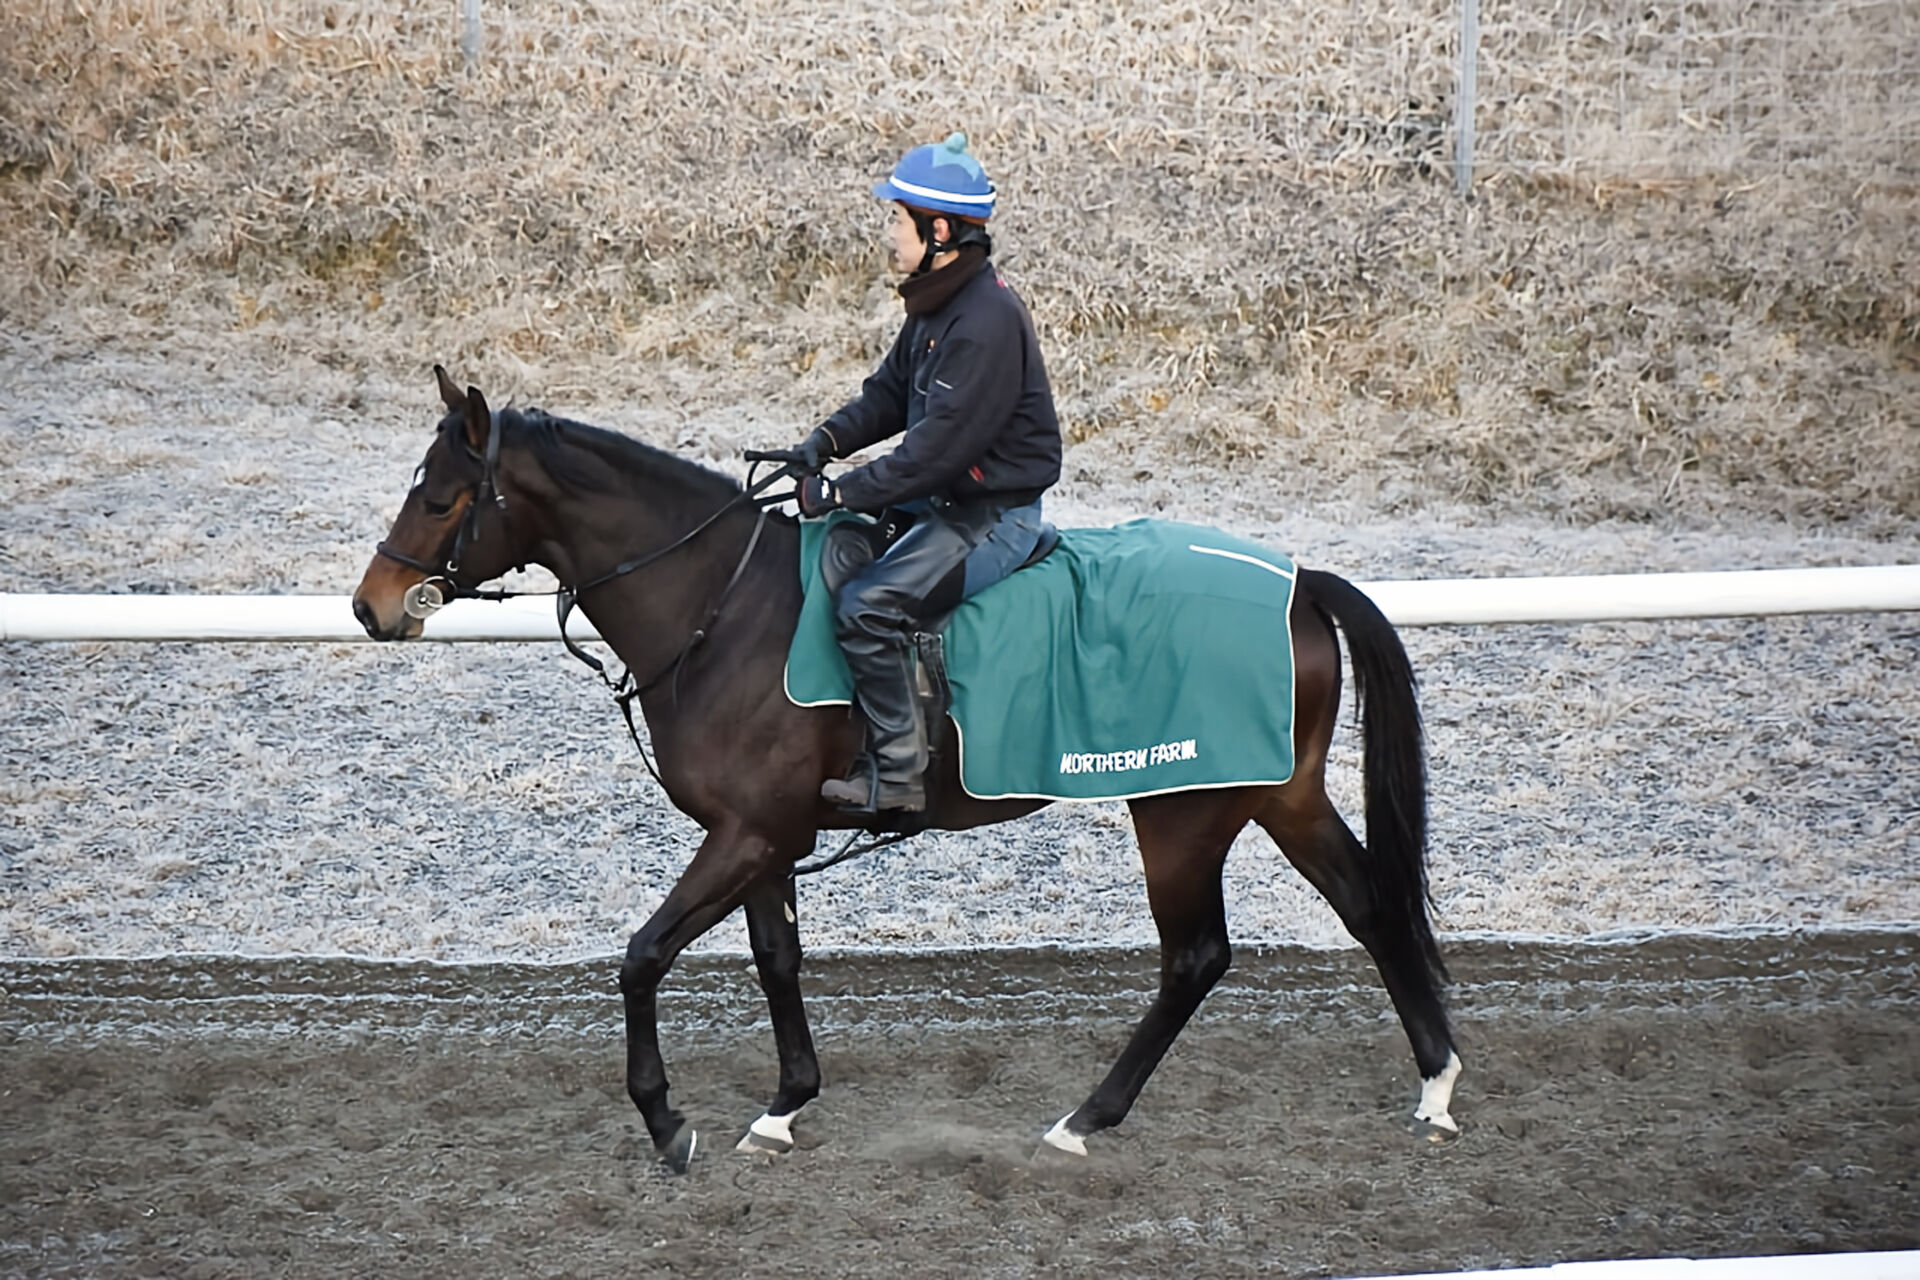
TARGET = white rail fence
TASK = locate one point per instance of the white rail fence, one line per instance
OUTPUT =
(1824, 1266)
(1434, 602)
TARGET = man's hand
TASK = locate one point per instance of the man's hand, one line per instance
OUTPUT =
(816, 450)
(818, 496)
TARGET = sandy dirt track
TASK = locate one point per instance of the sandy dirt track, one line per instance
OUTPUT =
(1711, 1096)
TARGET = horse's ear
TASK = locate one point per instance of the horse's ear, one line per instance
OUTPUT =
(479, 420)
(455, 399)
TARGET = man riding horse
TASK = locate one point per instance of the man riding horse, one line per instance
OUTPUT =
(966, 384)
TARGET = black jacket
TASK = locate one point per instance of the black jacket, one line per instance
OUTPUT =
(966, 384)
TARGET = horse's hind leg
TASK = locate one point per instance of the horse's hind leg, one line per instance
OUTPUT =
(1313, 836)
(1184, 838)
(773, 931)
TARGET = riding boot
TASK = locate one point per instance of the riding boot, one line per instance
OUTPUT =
(892, 775)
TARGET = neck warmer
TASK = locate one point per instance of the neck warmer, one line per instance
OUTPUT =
(932, 291)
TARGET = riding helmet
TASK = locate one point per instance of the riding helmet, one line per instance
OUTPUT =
(941, 178)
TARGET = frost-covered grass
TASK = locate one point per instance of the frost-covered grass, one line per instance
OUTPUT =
(482, 800)
(1664, 335)
(1686, 278)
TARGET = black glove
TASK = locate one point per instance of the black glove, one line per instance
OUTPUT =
(818, 495)
(816, 450)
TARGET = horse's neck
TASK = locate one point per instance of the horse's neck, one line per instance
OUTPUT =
(650, 614)
(581, 537)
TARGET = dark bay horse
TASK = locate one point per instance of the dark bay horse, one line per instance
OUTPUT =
(698, 592)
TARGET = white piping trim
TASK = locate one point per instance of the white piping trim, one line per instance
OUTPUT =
(1235, 555)
(786, 687)
(914, 189)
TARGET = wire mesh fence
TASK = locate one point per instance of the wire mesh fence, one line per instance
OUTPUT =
(1683, 88)
(1621, 89)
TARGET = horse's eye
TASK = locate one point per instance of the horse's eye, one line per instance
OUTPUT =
(438, 510)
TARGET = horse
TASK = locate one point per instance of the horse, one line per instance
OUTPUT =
(694, 584)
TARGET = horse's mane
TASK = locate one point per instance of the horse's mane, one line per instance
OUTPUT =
(583, 456)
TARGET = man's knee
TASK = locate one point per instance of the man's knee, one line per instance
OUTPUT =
(912, 581)
(848, 551)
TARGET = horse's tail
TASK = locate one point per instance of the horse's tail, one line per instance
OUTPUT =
(1394, 755)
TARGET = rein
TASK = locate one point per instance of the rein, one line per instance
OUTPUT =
(625, 690)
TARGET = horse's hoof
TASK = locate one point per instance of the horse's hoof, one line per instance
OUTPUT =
(1438, 1131)
(679, 1149)
(768, 1136)
(1061, 1138)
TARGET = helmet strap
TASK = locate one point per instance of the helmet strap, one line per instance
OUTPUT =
(963, 234)
(923, 223)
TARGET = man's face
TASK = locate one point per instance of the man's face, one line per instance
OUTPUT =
(903, 239)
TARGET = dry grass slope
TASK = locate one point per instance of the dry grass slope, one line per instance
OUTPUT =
(1689, 277)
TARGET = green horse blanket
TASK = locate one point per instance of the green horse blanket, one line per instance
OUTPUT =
(1148, 657)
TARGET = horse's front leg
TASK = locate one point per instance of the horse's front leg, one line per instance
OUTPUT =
(727, 863)
(774, 932)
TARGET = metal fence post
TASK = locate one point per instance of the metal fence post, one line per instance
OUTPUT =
(1464, 94)
(470, 40)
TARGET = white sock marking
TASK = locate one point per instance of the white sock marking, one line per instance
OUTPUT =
(775, 1128)
(1436, 1095)
(1064, 1139)
(774, 1132)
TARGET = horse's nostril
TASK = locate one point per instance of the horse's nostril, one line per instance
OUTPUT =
(364, 611)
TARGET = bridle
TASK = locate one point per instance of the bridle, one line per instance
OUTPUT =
(424, 597)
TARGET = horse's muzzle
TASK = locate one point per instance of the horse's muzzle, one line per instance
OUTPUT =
(404, 627)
